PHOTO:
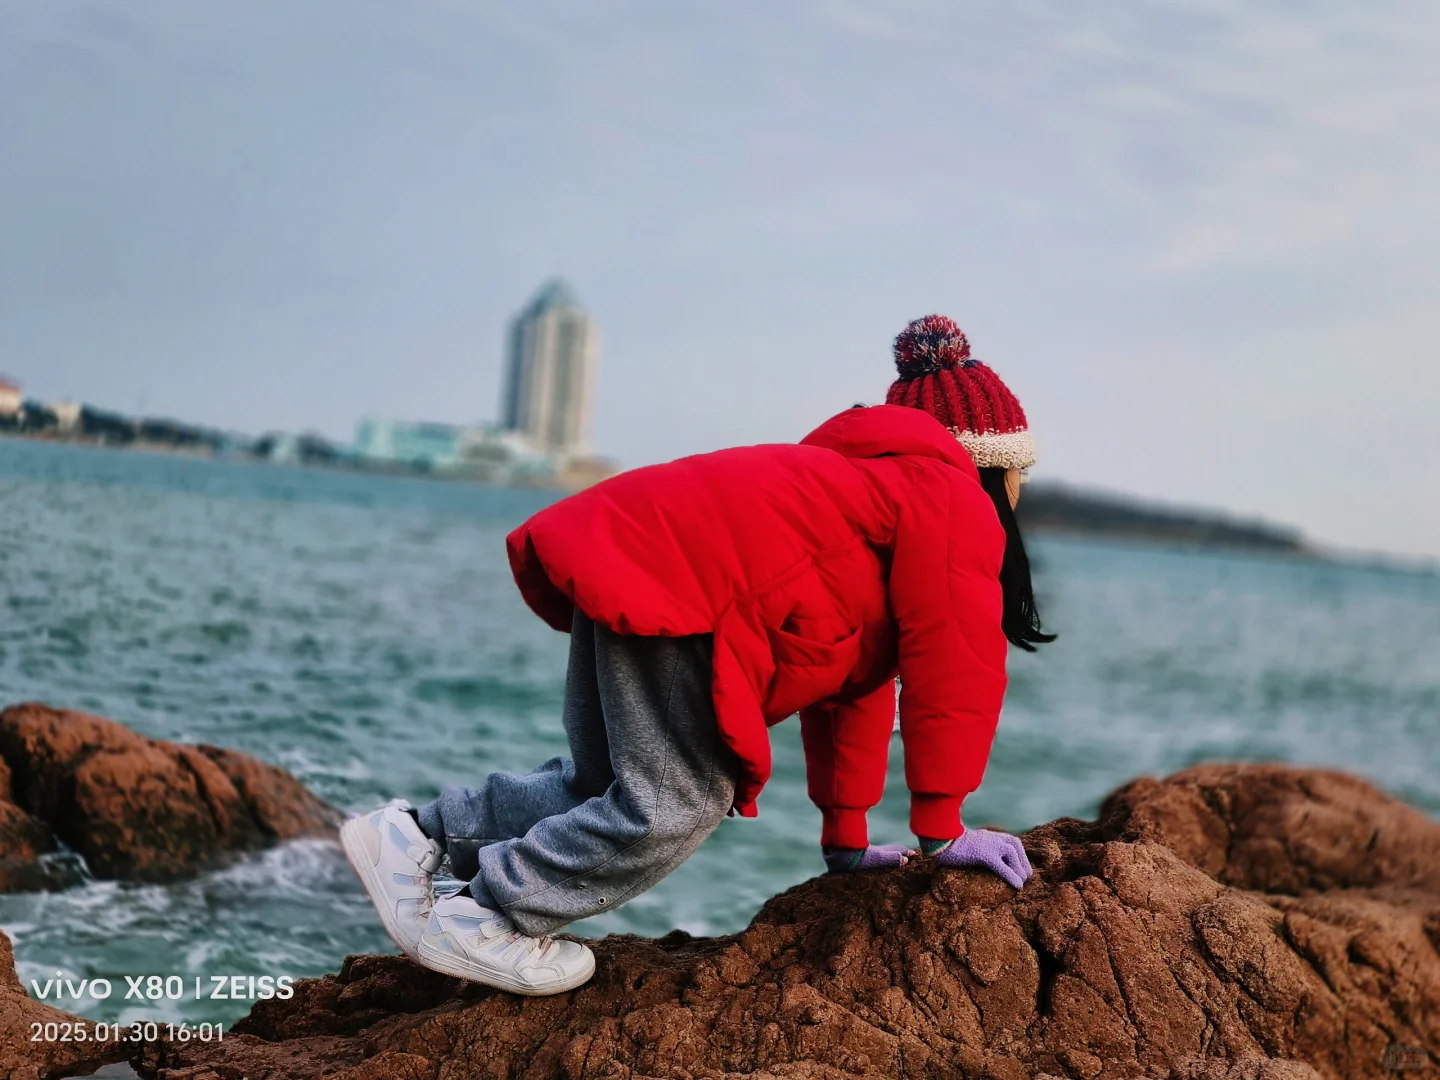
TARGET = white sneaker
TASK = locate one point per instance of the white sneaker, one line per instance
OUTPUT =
(394, 861)
(475, 943)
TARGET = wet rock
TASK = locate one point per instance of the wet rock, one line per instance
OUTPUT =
(1229, 923)
(23, 841)
(23, 1056)
(136, 809)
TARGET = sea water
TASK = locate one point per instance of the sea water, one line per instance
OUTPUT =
(364, 633)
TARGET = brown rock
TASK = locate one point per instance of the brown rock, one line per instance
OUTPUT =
(140, 809)
(25, 1057)
(1229, 923)
(1275, 830)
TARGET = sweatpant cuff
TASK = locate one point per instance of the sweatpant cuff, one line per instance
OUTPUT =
(482, 895)
(431, 823)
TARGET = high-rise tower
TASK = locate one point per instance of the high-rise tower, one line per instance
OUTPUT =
(553, 351)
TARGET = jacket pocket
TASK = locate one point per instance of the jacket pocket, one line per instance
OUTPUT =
(790, 648)
(807, 670)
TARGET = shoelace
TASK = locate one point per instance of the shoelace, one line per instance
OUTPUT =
(541, 948)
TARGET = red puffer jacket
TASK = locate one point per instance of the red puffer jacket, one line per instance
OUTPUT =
(821, 568)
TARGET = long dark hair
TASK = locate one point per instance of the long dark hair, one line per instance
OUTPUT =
(1020, 620)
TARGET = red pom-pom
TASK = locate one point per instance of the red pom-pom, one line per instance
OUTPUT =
(929, 344)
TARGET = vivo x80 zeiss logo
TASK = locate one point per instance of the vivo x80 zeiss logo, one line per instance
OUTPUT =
(166, 988)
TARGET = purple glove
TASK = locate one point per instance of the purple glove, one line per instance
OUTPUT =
(874, 857)
(998, 852)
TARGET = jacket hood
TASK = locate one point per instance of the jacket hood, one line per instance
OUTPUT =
(878, 430)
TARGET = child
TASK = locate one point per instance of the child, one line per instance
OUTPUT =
(707, 599)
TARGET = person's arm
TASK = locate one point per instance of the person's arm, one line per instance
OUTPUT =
(847, 749)
(946, 598)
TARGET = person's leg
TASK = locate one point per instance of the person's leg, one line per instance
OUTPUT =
(508, 805)
(674, 781)
(396, 849)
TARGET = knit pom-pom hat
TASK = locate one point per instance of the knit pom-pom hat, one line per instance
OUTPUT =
(938, 374)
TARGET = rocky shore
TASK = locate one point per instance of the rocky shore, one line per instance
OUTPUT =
(136, 809)
(1241, 922)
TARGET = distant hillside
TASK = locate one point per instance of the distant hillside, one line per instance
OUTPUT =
(1057, 508)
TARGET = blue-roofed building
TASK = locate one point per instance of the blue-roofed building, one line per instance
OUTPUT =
(416, 445)
(480, 452)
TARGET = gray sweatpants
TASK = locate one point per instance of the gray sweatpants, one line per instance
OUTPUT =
(649, 778)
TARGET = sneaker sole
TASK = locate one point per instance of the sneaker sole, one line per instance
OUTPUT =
(359, 860)
(448, 964)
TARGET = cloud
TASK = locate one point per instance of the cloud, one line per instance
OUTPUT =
(1303, 131)
(1149, 216)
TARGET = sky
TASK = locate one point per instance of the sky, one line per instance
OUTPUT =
(1201, 241)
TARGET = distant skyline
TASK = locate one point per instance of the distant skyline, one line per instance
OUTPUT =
(1200, 240)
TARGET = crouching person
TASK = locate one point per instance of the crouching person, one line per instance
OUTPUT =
(706, 600)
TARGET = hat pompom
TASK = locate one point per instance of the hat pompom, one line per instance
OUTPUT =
(931, 344)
